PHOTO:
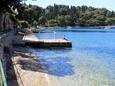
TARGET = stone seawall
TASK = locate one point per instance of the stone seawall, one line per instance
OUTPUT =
(6, 51)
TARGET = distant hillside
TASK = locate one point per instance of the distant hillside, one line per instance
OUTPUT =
(63, 15)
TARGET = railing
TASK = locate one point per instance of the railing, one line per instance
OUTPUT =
(4, 83)
(2, 78)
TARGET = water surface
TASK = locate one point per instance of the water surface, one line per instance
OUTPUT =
(90, 62)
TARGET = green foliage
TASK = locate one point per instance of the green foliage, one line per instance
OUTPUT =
(63, 15)
(110, 21)
(8, 14)
(57, 15)
(42, 20)
(52, 23)
(30, 13)
(9, 5)
(24, 24)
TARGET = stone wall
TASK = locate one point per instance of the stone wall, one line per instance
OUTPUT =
(6, 49)
(7, 27)
(5, 22)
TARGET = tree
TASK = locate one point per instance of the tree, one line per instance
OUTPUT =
(52, 23)
(8, 14)
(42, 20)
(30, 13)
(9, 5)
(110, 21)
(63, 15)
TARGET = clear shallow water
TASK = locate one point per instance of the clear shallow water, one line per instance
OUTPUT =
(90, 62)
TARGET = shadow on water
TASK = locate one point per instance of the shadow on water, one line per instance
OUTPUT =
(59, 66)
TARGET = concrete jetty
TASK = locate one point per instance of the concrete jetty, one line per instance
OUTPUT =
(33, 41)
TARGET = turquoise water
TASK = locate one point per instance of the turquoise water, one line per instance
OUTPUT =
(90, 62)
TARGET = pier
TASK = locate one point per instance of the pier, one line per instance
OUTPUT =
(33, 41)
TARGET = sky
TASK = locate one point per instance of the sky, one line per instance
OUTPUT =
(109, 4)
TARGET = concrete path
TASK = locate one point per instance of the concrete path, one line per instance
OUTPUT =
(29, 71)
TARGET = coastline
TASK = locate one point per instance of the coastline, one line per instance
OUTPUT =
(27, 66)
(31, 68)
(98, 27)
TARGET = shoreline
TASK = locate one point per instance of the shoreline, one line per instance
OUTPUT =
(27, 66)
(98, 27)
